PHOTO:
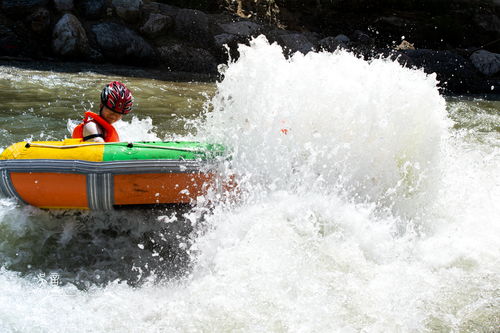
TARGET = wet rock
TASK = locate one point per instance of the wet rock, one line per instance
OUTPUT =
(312, 37)
(119, 43)
(241, 28)
(224, 39)
(233, 33)
(64, 5)
(393, 21)
(9, 43)
(184, 58)
(486, 62)
(128, 10)
(342, 39)
(92, 9)
(159, 8)
(394, 55)
(330, 44)
(488, 21)
(296, 42)
(455, 73)
(192, 25)
(405, 45)
(95, 55)
(40, 20)
(22, 8)
(70, 39)
(156, 25)
(361, 37)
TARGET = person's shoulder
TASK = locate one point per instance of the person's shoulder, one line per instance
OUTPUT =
(93, 127)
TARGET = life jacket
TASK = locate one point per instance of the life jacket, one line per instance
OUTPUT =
(110, 133)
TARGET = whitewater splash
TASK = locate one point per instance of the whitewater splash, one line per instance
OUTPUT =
(359, 210)
(328, 122)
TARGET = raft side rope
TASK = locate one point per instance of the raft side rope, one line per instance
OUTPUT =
(129, 145)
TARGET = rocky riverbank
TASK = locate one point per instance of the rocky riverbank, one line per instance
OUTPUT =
(458, 40)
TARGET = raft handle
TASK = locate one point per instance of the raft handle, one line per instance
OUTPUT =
(27, 145)
(130, 145)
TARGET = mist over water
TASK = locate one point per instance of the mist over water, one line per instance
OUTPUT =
(365, 202)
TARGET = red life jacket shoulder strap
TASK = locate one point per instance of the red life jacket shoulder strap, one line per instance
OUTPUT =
(110, 133)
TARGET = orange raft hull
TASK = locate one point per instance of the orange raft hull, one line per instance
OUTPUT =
(75, 191)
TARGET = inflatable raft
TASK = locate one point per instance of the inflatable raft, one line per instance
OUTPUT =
(77, 175)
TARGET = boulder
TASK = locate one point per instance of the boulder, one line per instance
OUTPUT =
(405, 45)
(342, 39)
(156, 25)
(40, 20)
(119, 43)
(330, 44)
(64, 5)
(222, 40)
(488, 21)
(192, 25)
(21, 8)
(393, 21)
(486, 62)
(361, 37)
(394, 55)
(455, 73)
(296, 42)
(159, 8)
(128, 10)
(9, 43)
(187, 59)
(69, 37)
(92, 9)
(241, 28)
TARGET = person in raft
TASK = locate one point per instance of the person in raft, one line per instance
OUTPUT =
(116, 100)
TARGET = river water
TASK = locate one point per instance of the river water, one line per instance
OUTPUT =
(367, 202)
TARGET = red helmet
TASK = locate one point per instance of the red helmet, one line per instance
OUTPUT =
(116, 97)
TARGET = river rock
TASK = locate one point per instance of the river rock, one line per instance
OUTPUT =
(405, 45)
(393, 21)
(486, 62)
(9, 43)
(92, 9)
(454, 72)
(40, 20)
(119, 43)
(69, 37)
(342, 39)
(156, 25)
(296, 42)
(361, 37)
(128, 10)
(64, 5)
(22, 8)
(330, 44)
(222, 40)
(241, 28)
(159, 8)
(192, 25)
(184, 58)
(488, 21)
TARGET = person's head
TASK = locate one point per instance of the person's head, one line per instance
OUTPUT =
(116, 100)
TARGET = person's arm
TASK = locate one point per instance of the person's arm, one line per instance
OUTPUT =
(92, 132)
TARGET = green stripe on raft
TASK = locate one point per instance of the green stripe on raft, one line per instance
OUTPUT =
(185, 150)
